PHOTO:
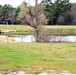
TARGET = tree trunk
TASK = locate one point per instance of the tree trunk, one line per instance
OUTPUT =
(37, 35)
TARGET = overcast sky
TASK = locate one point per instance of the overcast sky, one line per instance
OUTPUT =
(16, 3)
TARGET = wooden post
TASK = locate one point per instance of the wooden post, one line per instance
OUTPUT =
(31, 39)
(21, 38)
(7, 39)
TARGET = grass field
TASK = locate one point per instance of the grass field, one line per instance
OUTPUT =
(23, 29)
(15, 27)
(53, 56)
(19, 29)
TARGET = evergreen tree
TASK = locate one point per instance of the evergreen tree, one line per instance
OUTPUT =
(57, 8)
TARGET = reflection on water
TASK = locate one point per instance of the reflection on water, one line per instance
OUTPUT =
(63, 39)
(50, 38)
(24, 38)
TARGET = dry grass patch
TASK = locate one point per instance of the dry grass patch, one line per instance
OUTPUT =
(3, 38)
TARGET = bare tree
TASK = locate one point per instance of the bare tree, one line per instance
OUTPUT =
(34, 17)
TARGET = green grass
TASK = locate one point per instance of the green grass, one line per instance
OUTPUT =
(15, 27)
(25, 27)
(62, 26)
(55, 56)
(56, 30)
(59, 30)
(20, 29)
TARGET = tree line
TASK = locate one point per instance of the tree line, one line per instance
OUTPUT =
(48, 12)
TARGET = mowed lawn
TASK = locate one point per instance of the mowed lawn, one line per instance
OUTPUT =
(15, 27)
(46, 29)
(53, 56)
(26, 27)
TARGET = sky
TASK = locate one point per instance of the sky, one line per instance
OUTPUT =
(16, 3)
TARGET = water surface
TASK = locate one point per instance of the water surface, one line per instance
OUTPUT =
(50, 38)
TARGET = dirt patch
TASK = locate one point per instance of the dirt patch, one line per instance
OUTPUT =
(6, 31)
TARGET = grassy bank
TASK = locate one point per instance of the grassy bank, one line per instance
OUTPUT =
(55, 56)
(16, 29)
(59, 30)
(22, 29)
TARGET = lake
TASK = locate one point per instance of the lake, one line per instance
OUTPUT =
(47, 38)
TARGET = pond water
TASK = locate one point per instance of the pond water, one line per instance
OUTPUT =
(50, 38)
(23, 38)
